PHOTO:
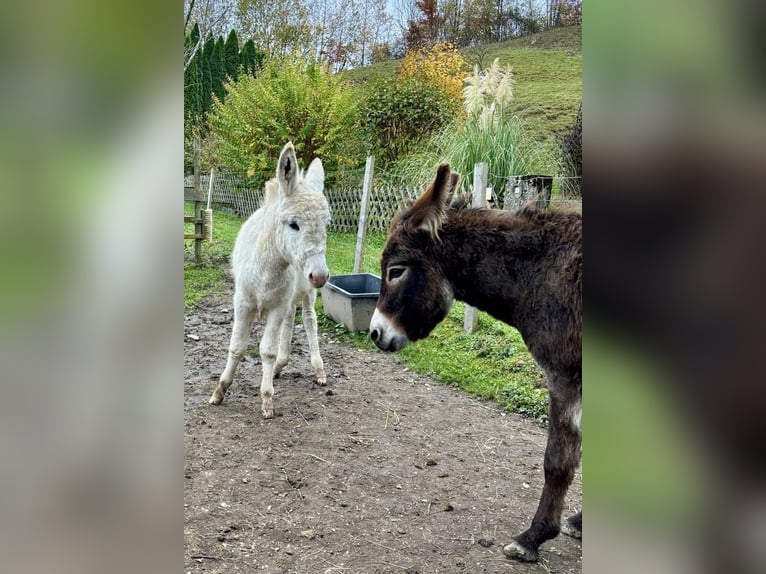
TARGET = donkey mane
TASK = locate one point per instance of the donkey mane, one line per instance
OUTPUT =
(271, 192)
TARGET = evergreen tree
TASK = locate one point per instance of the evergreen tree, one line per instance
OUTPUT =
(231, 55)
(250, 58)
(218, 69)
(207, 76)
(246, 57)
(193, 79)
(192, 90)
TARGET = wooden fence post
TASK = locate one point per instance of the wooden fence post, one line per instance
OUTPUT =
(479, 199)
(363, 211)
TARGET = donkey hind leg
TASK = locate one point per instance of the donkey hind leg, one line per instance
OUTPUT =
(310, 324)
(285, 342)
(562, 457)
(268, 350)
(572, 526)
(240, 338)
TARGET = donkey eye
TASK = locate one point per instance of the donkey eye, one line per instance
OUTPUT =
(295, 226)
(395, 273)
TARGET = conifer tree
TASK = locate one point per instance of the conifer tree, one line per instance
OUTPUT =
(231, 55)
(218, 68)
(193, 80)
(250, 58)
(207, 76)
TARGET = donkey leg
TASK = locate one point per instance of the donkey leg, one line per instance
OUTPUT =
(562, 456)
(285, 343)
(572, 526)
(268, 351)
(310, 324)
(240, 338)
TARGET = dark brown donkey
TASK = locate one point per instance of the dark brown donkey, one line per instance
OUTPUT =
(523, 268)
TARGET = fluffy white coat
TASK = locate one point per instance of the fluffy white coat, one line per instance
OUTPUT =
(279, 261)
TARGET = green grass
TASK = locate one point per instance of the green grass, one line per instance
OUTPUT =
(492, 362)
(207, 277)
(547, 68)
(199, 282)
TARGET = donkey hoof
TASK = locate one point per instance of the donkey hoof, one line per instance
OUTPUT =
(267, 408)
(216, 399)
(571, 529)
(518, 552)
(321, 379)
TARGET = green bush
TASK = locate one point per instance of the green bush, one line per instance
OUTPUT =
(396, 117)
(289, 100)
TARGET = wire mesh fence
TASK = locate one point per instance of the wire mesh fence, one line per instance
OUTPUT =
(231, 193)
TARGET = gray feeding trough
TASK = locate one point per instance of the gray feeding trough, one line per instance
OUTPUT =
(351, 299)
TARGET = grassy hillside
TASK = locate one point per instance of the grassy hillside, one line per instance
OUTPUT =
(547, 68)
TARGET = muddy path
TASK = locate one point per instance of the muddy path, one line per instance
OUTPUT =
(382, 471)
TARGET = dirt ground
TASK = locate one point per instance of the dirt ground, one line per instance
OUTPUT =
(382, 471)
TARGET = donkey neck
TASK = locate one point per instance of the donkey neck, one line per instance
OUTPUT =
(488, 257)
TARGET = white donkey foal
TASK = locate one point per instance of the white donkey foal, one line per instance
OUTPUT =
(279, 261)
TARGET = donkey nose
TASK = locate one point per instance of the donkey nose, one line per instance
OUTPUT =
(318, 279)
(374, 335)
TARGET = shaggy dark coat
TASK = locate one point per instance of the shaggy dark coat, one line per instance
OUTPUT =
(523, 268)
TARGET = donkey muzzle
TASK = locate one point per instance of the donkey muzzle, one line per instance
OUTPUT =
(316, 270)
(384, 334)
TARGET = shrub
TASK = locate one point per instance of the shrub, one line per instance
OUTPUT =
(395, 117)
(440, 66)
(289, 100)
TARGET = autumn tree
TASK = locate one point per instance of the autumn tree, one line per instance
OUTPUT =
(566, 12)
(441, 66)
(278, 28)
(425, 30)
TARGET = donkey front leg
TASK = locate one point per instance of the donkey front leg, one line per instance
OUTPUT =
(310, 324)
(240, 338)
(268, 350)
(562, 457)
(285, 342)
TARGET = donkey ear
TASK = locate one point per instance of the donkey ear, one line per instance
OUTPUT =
(452, 188)
(287, 169)
(315, 175)
(428, 212)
